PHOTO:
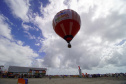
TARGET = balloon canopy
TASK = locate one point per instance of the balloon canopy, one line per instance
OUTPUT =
(66, 24)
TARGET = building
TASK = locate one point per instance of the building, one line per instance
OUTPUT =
(26, 72)
(1, 70)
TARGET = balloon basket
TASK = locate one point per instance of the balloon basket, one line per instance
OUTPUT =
(69, 45)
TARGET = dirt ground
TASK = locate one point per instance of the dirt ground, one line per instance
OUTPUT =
(101, 80)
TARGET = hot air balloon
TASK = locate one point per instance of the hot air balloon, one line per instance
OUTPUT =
(66, 24)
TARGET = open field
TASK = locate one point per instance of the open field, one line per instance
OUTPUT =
(102, 80)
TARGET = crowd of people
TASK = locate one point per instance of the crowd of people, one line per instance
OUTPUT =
(10, 75)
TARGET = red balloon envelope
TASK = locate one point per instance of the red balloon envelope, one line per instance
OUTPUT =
(66, 24)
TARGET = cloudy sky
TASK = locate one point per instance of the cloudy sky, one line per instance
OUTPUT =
(27, 37)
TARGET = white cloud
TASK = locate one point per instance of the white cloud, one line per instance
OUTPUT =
(12, 52)
(29, 35)
(103, 26)
(37, 44)
(117, 56)
(4, 28)
(26, 27)
(20, 43)
(19, 8)
(94, 48)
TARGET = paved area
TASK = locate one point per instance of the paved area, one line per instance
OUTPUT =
(102, 80)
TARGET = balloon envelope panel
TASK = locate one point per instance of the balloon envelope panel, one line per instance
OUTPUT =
(66, 24)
